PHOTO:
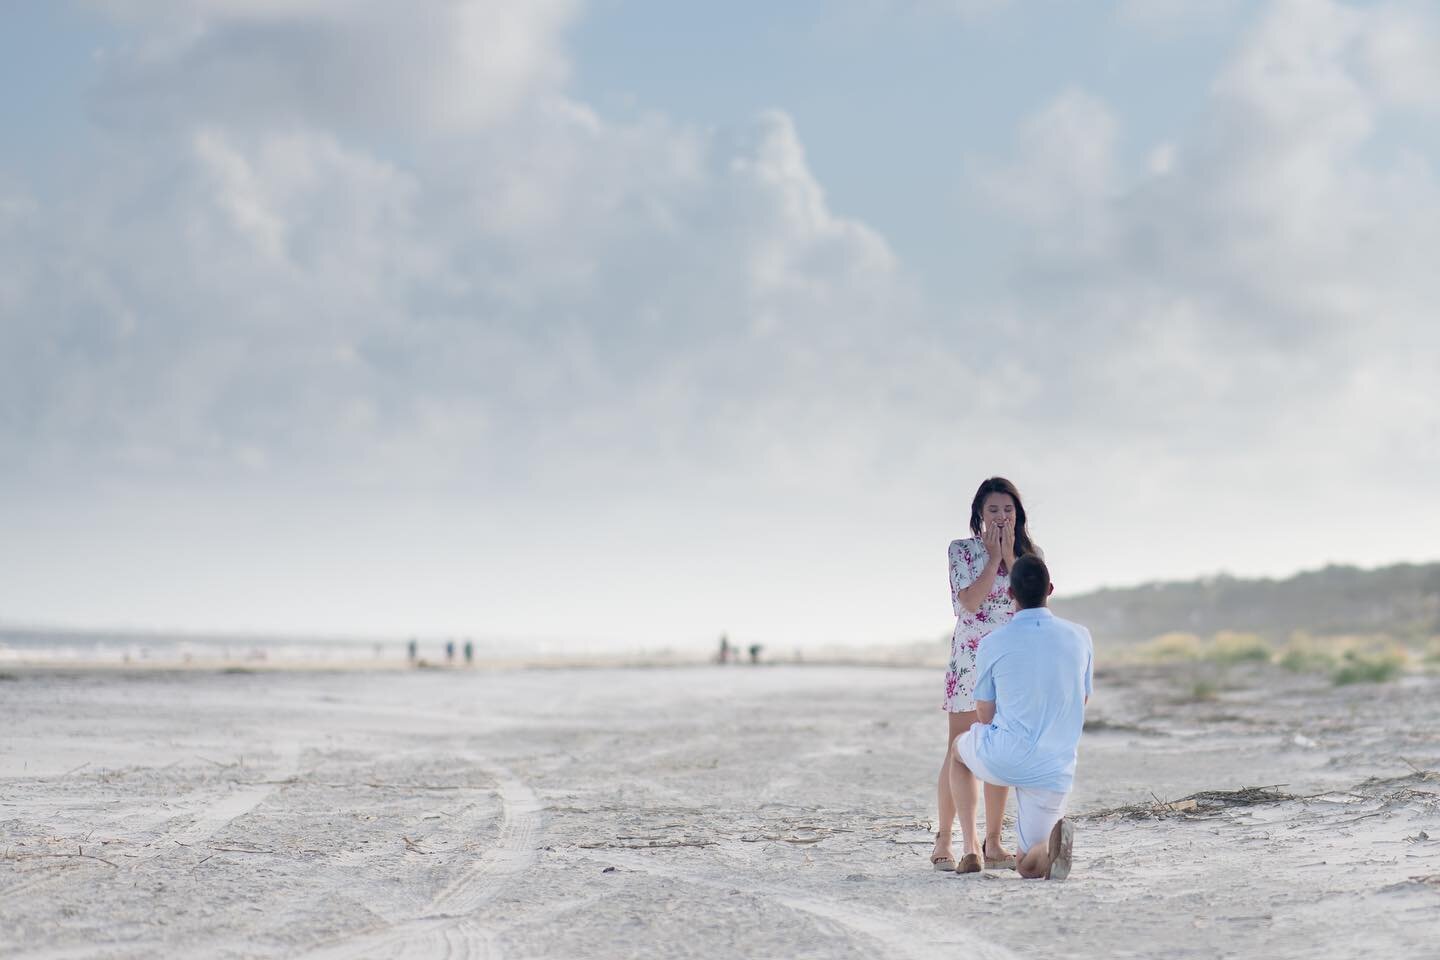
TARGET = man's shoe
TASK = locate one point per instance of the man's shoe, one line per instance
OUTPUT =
(1062, 842)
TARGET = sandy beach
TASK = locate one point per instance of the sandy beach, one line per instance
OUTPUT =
(693, 812)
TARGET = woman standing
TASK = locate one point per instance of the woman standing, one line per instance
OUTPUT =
(979, 590)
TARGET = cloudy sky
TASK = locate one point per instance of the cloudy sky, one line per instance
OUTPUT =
(632, 321)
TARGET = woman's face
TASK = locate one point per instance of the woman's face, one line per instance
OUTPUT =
(998, 510)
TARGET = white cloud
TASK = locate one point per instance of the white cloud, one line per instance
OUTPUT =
(1236, 307)
(293, 296)
(1063, 174)
(551, 316)
(1161, 159)
(1399, 53)
(340, 245)
(447, 67)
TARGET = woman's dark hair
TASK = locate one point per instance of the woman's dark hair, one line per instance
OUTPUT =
(1023, 544)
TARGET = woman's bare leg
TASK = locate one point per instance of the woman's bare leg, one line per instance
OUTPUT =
(958, 724)
(963, 787)
(995, 819)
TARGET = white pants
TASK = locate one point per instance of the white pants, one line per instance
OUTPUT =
(1036, 811)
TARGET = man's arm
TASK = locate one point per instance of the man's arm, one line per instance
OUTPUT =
(985, 695)
(1089, 667)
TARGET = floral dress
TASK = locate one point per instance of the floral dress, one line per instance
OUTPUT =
(967, 561)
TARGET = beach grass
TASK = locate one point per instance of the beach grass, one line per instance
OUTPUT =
(1229, 646)
(1370, 666)
(1203, 691)
(1306, 654)
(1226, 647)
(1170, 647)
(1345, 659)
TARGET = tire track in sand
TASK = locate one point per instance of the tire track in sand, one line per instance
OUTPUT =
(208, 817)
(448, 928)
(889, 938)
(213, 817)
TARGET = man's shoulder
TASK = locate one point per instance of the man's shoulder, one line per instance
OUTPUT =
(1079, 629)
(997, 637)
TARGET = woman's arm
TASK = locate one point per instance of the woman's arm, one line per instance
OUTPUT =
(968, 593)
(972, 596)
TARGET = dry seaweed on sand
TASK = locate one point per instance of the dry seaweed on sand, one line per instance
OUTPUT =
(1419, 775)
(1102, 725)
(642, 843)
(1422, 880)
(1244, 797)
(1200, 804)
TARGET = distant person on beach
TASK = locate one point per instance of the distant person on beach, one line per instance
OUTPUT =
(469, 653)
(979, 592)
(412, 651)
(1033, 679)
(449, 651)
(724, 656)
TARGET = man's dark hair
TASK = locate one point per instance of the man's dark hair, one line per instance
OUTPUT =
(1030, 581)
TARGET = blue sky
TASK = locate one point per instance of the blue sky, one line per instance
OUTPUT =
(877, 88)
(633, 322)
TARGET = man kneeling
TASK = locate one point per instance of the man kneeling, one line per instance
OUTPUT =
(1033, 678)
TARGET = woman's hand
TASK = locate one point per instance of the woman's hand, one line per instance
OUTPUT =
(1007, 545)
(992, 538)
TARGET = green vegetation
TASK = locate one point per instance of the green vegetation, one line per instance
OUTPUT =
(1357, 626)
(1348, 659)
(1208, 663)
(1305, 654)
(1226, 647)
(1376, 666)
(1172, 646)
(1402, 601)
(1204, 691)
(1232, 647)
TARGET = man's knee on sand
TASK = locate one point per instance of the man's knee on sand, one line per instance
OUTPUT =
(1033, 868)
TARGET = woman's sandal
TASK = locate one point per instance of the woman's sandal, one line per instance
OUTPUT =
(970, 863)
(943, 863)
(1005, 861)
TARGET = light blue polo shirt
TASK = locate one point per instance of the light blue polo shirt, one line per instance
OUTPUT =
(1038, 669)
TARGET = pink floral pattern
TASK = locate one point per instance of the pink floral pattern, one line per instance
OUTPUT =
(967, 561)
